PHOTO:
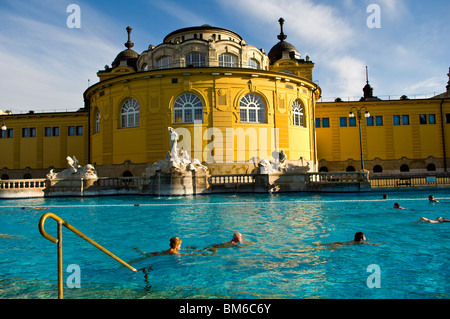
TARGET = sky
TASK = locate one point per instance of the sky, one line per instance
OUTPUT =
(47, 61)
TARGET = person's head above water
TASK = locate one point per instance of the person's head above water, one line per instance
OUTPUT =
(175, 242)
(237, 237)
(359, 236)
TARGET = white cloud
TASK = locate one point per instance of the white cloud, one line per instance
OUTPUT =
(317, 30)
(47, 66)
(178, 11)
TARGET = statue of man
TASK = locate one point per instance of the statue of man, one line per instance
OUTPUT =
(173, 143)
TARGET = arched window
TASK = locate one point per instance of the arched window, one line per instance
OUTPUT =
(164, 62)
(188, 108)
(253, 64)
(377, 169)
(253, 109)
(323, 169)
(298, 112)
(350, 169)
(129, 114)
(228, 60)
(97, 121)
(127, 174)
(404, 168)
(431, 167)
(195, 60)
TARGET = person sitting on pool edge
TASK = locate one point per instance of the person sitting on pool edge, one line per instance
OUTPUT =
(234, 242)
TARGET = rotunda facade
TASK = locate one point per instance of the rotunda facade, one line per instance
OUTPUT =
(230, 104)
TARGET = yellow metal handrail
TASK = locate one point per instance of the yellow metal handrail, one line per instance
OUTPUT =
(58, 241)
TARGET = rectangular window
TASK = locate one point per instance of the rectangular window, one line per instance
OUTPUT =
(48, 131)
(317, 122)
(369, 121)
(431, 119)
(405, 119)
(378, 120)
(55, 131)
(71, 131)
(325, 122)
(352, 121)
(343, 122)
(79, 130)
(8, 133)
(33, 132)
(423, 119)
(447, 118)
(25, 132)
(396, 119)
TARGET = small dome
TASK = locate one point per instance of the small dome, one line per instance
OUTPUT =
(128, 55)
(276, 53)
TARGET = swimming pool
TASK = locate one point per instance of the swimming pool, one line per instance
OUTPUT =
(285, 261)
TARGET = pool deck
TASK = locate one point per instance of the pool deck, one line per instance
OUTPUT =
(175, 184)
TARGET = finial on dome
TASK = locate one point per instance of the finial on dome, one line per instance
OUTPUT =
(129, 44)
(282, 36)
(367, 76)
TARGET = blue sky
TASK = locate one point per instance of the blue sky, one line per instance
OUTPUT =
(44, 65)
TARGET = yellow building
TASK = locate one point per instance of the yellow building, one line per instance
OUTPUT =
(405, 136)
(232, 105)
(33, 143)
(219, 93)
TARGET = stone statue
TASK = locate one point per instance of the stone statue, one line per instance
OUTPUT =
(176, 160)
(74, 171)
(173, 142)
(280, 164)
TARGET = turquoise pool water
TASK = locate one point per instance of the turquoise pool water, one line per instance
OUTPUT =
(285, 261)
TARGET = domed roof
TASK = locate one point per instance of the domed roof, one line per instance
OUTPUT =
(128, 55)
(276, 53)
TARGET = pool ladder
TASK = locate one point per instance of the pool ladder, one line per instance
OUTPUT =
(58, 241)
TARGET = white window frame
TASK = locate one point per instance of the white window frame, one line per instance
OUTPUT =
(129, 114)
(228, 60)
(188, 108)
(298, 112)
(195, 59)
(254, 64)
(164, 62)
(97, 121)
(252, 109)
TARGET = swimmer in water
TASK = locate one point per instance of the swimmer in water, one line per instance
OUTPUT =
(432, 200)
(397, 206)
(434, 221)
(175, 247)
(359, 239)
(234, 242)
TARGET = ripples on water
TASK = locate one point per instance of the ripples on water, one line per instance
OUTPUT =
(285, 261)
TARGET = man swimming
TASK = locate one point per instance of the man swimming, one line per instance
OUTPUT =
(432, 199)
(434, 221)
(359, 239)
(234, 242)
(175, 246)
